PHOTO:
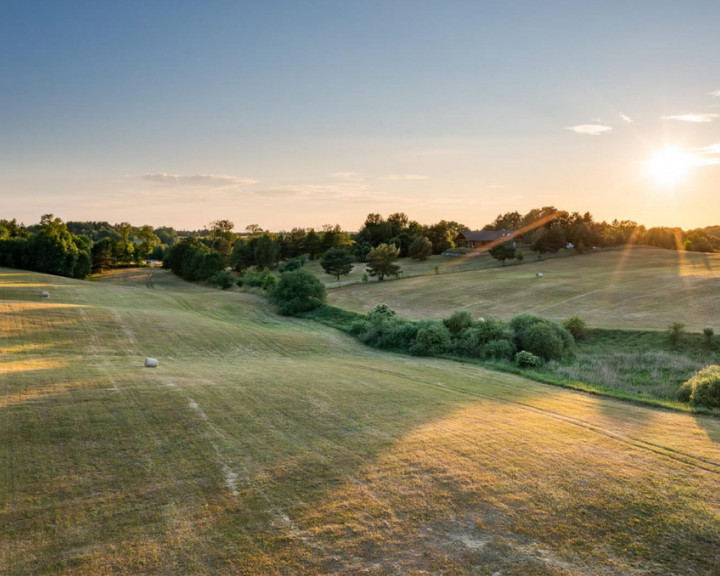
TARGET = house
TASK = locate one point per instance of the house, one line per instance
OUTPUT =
(479, 238)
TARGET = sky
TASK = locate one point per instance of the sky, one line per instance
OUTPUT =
(310, 112)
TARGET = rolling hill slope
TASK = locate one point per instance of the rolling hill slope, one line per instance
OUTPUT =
(262, 445)
(638, 288)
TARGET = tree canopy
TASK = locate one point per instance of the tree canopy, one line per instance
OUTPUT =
(297, 291)
(381, 261)
(337, 262)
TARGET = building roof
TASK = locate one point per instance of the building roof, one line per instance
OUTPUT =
(483, 235)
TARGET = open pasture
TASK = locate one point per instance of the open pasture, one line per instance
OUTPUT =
(265, 445)
(635, 288)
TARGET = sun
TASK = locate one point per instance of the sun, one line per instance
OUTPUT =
(669, 167)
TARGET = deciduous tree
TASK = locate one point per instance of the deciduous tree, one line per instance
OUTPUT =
(381, 261)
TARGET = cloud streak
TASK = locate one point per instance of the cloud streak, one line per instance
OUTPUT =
(707, 155)
(199, 180)
(696, 118)
(404, 177)
(589, 129)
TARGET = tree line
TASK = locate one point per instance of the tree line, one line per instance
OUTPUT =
(76, 249)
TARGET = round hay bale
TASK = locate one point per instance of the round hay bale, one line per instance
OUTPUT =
(45, 294)
(151, 363)
(539, 274)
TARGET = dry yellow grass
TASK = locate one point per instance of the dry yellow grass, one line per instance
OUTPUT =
(638, 287)
(262, 445)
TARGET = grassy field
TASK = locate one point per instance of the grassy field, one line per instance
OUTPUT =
(263, 445)
(434, 265)
(636, 288)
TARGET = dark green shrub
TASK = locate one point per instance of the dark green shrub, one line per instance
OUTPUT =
(223, 279)
(380, 313)
(397, 334)
(492, 329)
(292, 264)
(254, 278)
(543, 340)
(432, 338)
(498, 350)
(458, 321)
(542, 337)
(704, 387)
(420, 248)
(297, 291)
(484, 339)
(675, 332)
(269, 281)
(526, 359)
(358, 327)
(576, 326)
(467, 343)
(708, 333)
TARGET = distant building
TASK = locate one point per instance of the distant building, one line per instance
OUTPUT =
(479, 238)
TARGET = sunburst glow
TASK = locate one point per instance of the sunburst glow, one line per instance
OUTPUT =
(669, 167)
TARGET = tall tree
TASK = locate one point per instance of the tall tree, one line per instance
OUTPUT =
(381, 261)
(337, 262)
(312, 243)
(53, 249)
(420, 248)
(267, 251)
(222, 238)
(148, 241)
(334, 237)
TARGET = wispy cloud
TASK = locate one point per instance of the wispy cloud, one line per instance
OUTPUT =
(707, 155)
(199, 180)
(626, 119)
(347, 175)
(334, 191)
(404, 177)
(715, 93)
(589, 129)
(697, 118)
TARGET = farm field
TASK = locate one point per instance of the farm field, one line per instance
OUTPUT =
(410, 268)
(267, 445)
(635, 288)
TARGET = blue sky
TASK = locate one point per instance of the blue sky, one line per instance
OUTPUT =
(311, 112)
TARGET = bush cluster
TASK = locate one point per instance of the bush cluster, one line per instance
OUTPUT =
(576, 326)
(703, 389)
(461, 335)
(223, 279)
(296, 292)
(253, 278)
(526, 359)
(541, 337)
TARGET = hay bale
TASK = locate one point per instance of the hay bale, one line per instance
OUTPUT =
(151, 363)
(539, 274)
(45, 294)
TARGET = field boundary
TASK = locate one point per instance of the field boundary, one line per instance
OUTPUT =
(343, 320)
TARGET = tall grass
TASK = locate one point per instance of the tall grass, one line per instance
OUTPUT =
(657, 374)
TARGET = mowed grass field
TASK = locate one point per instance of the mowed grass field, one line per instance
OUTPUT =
(266, 445)
(636, 288)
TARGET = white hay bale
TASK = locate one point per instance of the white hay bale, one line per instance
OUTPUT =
(151, 363)
(539, 274)
(45, 294)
